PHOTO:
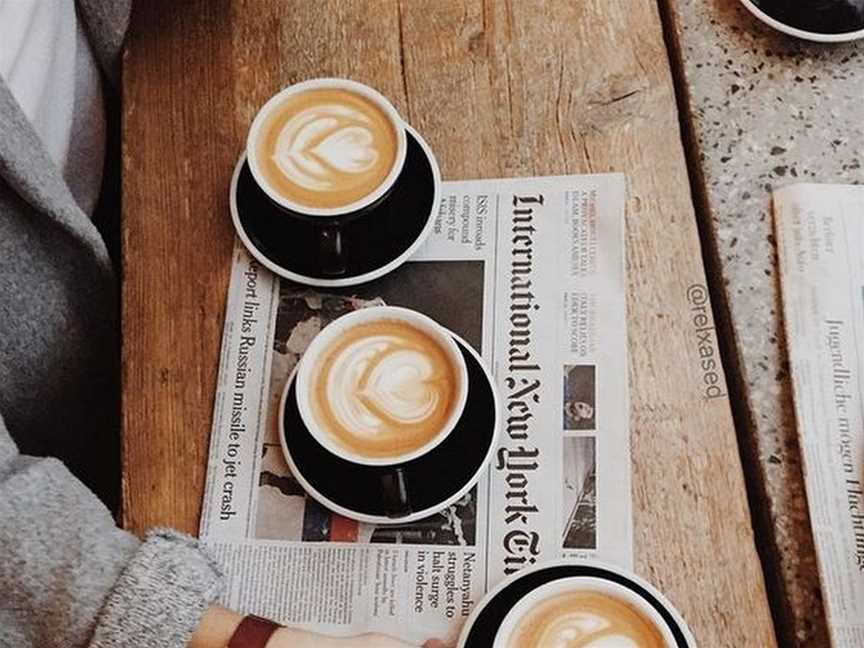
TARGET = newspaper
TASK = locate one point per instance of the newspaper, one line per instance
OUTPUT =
(530, 272)
(820, 235)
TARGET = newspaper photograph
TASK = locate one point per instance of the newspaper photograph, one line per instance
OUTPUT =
(529, 272)
(820, 236)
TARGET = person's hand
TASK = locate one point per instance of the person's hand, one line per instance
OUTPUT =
(219, 624)
(291, 638)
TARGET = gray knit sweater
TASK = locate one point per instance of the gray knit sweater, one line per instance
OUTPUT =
(68, 576)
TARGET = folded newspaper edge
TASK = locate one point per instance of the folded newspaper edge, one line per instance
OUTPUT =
(820, 238)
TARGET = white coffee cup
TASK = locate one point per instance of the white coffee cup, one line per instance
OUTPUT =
(330, 333)
(365, 91)
(591, 585)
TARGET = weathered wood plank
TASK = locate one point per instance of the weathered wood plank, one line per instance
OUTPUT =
(180, 141)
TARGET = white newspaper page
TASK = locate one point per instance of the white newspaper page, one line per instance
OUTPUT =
(530, 272)
(820, 233)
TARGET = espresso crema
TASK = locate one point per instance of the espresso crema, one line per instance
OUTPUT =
(584, 620)
(326, 148)
(383, 389)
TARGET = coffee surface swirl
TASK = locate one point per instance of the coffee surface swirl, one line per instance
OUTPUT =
(326, 148)
(383, 389)
(584, 620)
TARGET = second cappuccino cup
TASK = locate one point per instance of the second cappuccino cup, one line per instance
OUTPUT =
(382, 386)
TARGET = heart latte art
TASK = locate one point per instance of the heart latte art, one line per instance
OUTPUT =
(326, 148)
(584, 620)
(383, 389)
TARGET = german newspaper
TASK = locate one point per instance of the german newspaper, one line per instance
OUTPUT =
(820, 237)
(531, 273)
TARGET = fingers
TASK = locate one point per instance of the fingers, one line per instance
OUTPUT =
(291, 638)
(374, 640)
(382, 641)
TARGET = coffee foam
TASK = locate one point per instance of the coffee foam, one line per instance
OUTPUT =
(584, 620)
(326, 148)
(383, 389)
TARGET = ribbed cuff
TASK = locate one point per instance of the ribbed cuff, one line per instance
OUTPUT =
(8, 449)
(160, 597)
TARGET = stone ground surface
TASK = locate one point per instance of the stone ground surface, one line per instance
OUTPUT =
(767, 111)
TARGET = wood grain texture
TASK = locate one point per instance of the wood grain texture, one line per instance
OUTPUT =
(499, 89)
(179, 145)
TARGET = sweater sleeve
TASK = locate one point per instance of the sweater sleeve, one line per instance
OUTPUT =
(71, 578)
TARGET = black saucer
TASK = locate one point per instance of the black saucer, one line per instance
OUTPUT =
(433, 481)
(489, 616)
(373, 244)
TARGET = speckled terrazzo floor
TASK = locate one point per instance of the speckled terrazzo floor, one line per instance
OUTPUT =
(767, 110)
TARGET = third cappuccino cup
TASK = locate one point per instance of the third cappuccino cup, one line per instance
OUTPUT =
(584, 612)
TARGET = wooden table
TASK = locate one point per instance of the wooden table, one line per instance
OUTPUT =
(499, 89)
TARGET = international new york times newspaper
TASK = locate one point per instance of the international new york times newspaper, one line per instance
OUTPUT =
(820, 236)
(530, 272)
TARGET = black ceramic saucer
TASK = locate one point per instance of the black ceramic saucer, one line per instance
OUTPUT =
(483, 624)
(433, 481)
(373, 244)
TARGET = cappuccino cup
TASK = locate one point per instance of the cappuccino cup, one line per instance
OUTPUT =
(382, 386)
(583, 613)
(327, 151)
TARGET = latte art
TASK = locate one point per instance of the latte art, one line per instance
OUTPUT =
(324, 145)
(383, 389)
(584, 620)
(326, 148)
